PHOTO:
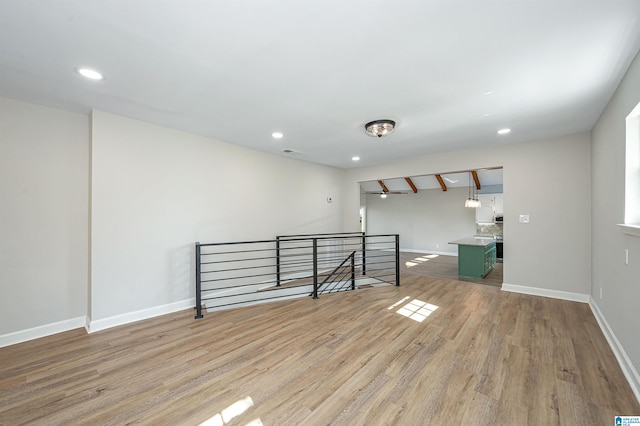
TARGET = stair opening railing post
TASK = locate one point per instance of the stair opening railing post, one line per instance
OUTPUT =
(397, 260)
(198, 284)
(353, 271)
(364, 254)
(277, 261)
(315, 268)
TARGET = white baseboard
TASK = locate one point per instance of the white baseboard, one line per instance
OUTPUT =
(626, 365)
(41, 331)
(544, 292)
(443, 253)
(102, 324)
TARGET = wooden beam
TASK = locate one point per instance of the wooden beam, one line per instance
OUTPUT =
(475, 179)
(441, 182)
(383, 186)
(411, 184)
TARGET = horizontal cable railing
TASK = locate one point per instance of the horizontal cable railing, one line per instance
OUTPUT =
(291, 266)
(339, 277)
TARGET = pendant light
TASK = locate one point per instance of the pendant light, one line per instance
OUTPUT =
(472, 202)
(469, 201)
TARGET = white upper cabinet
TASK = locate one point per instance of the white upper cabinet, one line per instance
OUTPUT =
(498, 205)
(484, 214)
(492, 206)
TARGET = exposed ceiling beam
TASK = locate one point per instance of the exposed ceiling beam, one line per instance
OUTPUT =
(411, 184)
(441, 182)
(475, 179)
(383, 186)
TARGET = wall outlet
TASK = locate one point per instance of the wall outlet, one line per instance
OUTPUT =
(524, 218)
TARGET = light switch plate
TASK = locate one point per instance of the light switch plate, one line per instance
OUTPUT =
(524, 218)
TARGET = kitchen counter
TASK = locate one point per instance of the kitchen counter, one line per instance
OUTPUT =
(478, 242)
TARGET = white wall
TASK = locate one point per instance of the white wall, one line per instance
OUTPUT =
(426, 221)
(549, 180)
(157, 191)
(620, 283)
(44, 165)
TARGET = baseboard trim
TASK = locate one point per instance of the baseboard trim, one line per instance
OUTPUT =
(626, 365)
(41, 331)
(443, 253)
(129, 317)
(544, 292)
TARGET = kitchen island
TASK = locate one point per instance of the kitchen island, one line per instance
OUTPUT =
(476, 256)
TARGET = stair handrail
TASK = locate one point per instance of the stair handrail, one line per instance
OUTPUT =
(316, 237)
(315, 283)
(226, 274)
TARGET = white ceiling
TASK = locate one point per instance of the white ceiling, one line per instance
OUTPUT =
(487, 177)
(237, 70)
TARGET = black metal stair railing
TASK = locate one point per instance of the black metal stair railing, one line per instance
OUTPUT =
(340, 274)
(235, 274)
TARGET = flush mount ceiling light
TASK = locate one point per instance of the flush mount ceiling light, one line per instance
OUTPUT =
(504, 131)
(89, 73)
(355, 158)
(277, 135)
(380, 128)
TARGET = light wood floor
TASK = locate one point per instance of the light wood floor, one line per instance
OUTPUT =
(442, 266)
(483, 357)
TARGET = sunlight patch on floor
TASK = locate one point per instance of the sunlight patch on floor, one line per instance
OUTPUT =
(234, 410)
(399, 302)
(418, 260)
(417, 310)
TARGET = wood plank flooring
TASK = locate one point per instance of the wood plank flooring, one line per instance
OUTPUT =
(443, 266)
(482, 357)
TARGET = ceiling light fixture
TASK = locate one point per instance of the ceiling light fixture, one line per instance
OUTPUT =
(383, 195)
(277, 135)
(89, 73)
(504, 131)
(356, 158)
(380, 128)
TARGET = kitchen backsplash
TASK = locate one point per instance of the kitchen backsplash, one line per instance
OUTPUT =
(489, 228)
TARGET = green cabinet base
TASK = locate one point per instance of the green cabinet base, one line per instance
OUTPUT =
(476, 261)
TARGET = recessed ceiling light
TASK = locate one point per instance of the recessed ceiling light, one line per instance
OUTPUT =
(277, 135)
(89, 73)
(504, 131)
(356, 158)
